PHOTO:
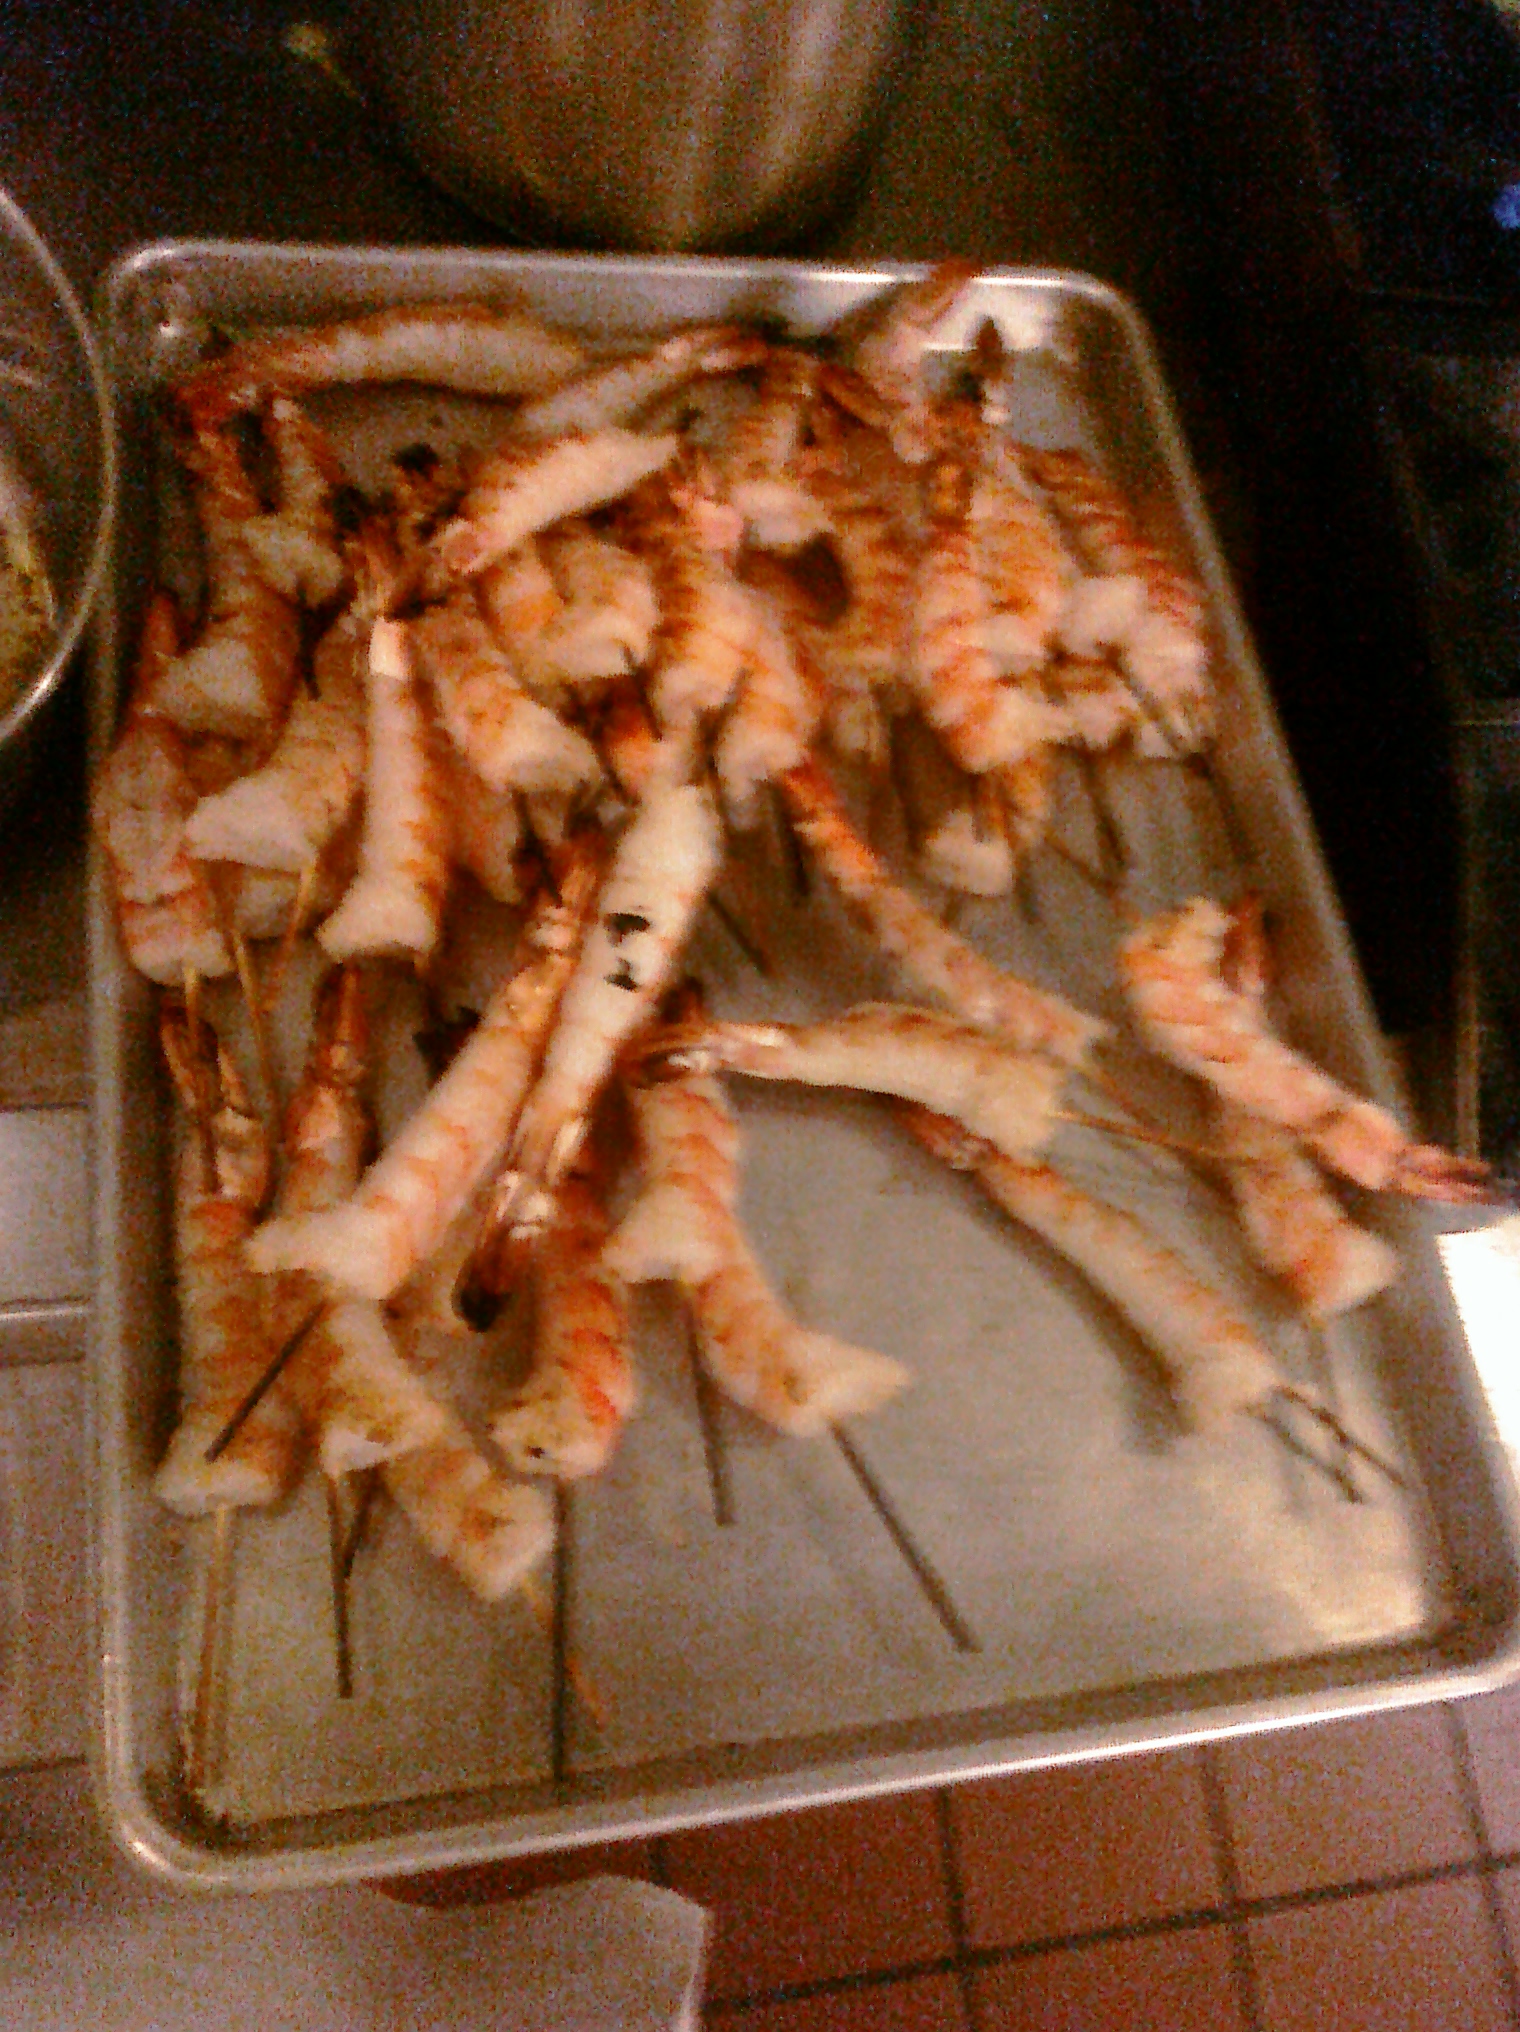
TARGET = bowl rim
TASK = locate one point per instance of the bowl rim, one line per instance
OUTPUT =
(70, 631)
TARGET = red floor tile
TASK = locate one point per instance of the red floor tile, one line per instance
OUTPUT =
(921, 2004)
(1167, 1982)
(491, 1882)
(1492, 1722)
(834, 1891)
(1345, 1802)
(1418, 1960)
(1069, 1851)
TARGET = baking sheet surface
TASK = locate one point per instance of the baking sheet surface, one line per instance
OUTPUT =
(1087, 1544)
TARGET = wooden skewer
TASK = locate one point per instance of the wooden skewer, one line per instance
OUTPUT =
(275, 981)
(1136, 1132)
(255, 1397)
(203, 1129)
(205, 1722)
(585, 1689)
(337, 1543)
(248, 981)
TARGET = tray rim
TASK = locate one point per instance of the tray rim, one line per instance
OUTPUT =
(134, 1822)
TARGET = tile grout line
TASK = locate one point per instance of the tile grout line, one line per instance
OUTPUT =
(1241, 1960)
(1472, 1799)
(950, 1863)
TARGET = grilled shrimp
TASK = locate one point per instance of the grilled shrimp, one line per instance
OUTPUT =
(1214, 1363)
(890, 353)
(394, 905)
(490, 1530)
(618, 391)
(359, 1399)
(487, 826)
(139, 808)
(932, 957)
(1100, 707)
(566, 1418)
(1171, 967)
(955, 678)
(758, 458)
(609, 614)
(238, 676)
(1025, 566)
(285, 814)
(524, 488)
(1164, 646)
(662, 869)
(221, 1180)
(471, 348)
(689, 540)
(1006, 1096)
(509, 739)
(521, 604)
(771, 725)
(1296, 1228)
(296, 548)
(684, 1226)
(407, 1201)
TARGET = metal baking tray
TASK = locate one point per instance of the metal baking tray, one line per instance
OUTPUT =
(1125, 1585)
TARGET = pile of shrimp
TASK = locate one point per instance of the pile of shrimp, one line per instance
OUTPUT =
(687, 598)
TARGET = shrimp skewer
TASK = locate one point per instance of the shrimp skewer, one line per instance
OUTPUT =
(1025, 565)
(774, 716)
(406, 1202)
(359, 1399)
(1215, 1365)
(610, 612)
(491, 1531)
(984, 723)
(958, 840)
(225, 1351)
(1163, 645)
(931, 956)
(689, 540)
(395, 903)
(663, 867)
(510, 740)
(1007, 1097)
(296, 548)
(471, 348)
(890, 353)
(140, 807)
(685, 1226)
(237, 678)
(567, 1417)
(617, 391)
(758, 457)
(1172, 971)
(524, 488)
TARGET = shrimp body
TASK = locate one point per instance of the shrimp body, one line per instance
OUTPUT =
(296, 548)
(1007, 1097)
(510, 740)
(491, 1531)
(471, 348)
(758, 459)
(609, 610)
(890, 354)
(1165, 646)
(488, 831)
(661, 871)
(238, 677)
(1295, 1227)
(395, 903)
(139, 808)
(1214, 1363)
(220, 1181)
(930, 955)
(957, 838)
(706, 620)
(865, 649)
(525, 488)
(407, 1201)
(1025, 567)
(566, 1418)
(521, 604)
(684, 1225)
(1100, 708)
(616, 391)
(774, 717)
(984, 723)
(1171, 967)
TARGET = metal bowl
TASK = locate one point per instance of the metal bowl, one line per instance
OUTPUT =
(57, 467)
